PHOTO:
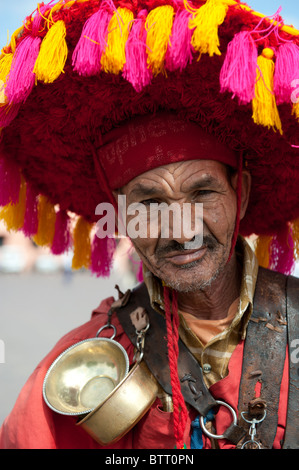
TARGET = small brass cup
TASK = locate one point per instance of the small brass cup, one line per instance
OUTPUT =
(123, 408)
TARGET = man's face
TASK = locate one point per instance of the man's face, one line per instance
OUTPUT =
(199, 181)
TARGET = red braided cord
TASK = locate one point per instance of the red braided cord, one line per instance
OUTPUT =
(239, 200)
(180, 412)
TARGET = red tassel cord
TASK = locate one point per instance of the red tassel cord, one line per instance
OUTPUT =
(239, 201)
(180, 412)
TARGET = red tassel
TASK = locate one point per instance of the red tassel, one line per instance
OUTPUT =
(139, 275)
(180, 412)
(31, 214)
(10, 179)
(62, 238)
(8, 113)
(102, 256)
(239, 201)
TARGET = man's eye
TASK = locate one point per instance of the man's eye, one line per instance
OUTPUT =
(204, 192)
(147, 202)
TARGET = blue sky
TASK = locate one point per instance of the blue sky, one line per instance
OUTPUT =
(13, 12)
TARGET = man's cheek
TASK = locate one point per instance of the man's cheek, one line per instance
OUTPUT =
(219, 220)
(145, 247)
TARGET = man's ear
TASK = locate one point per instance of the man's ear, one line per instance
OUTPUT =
(246, 187)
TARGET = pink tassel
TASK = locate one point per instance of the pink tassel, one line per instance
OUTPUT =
(135, 69)
(179, 53)
(102, 255)
(10, 179)
(31, 214)
(139, 275)
(92, 43)
(282, 257)
(21, 78)
(286, 70)
(8, 113)
(62, 238)
(238, 73)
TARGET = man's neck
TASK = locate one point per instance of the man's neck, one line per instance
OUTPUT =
(213, 302)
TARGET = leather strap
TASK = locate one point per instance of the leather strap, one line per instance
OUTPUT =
(156, 353)
(291, 440)
(264, 355)
(267, 327)
(190, 373)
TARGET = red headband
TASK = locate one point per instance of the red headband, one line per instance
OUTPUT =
(147, 142)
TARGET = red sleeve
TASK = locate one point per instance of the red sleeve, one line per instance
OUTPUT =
(32, 424)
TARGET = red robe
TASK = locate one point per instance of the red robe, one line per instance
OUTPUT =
(33, 425)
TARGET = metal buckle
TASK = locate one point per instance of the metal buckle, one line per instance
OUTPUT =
(218, 436)
(140, 340)
(252, 443)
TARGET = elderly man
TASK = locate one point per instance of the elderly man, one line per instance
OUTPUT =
(144, 112)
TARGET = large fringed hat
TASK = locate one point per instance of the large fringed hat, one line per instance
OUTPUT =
(77, 69)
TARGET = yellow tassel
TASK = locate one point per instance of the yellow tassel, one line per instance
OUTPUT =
(53, 54)
(205, 22)
(295, 236)
(262, 250)
(13, 214)
(46, 222)
(82, 244)
(264, 107)
(296, 110)
(158, 25)
(114, 57)
(5, 67)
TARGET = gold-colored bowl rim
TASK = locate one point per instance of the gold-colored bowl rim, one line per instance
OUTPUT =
(61, 356)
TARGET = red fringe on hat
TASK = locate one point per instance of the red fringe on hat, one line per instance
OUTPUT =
(180, 412)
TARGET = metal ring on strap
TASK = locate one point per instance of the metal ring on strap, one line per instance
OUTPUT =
(218, 436)
(107, 326)
(254, 420)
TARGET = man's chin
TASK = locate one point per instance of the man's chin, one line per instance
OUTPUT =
(190, 278)
(195, 284)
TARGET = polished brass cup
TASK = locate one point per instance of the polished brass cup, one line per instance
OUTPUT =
(84, 375)
(123, 408)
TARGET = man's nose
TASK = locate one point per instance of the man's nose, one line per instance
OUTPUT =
(187, 229)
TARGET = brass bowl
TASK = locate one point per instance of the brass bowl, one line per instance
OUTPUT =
(123, 408)
(84, 375)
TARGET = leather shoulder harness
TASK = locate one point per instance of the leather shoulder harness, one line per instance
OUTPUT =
(274, 327)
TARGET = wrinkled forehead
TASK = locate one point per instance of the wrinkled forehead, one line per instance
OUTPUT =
(182, 176)
(152, 141)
